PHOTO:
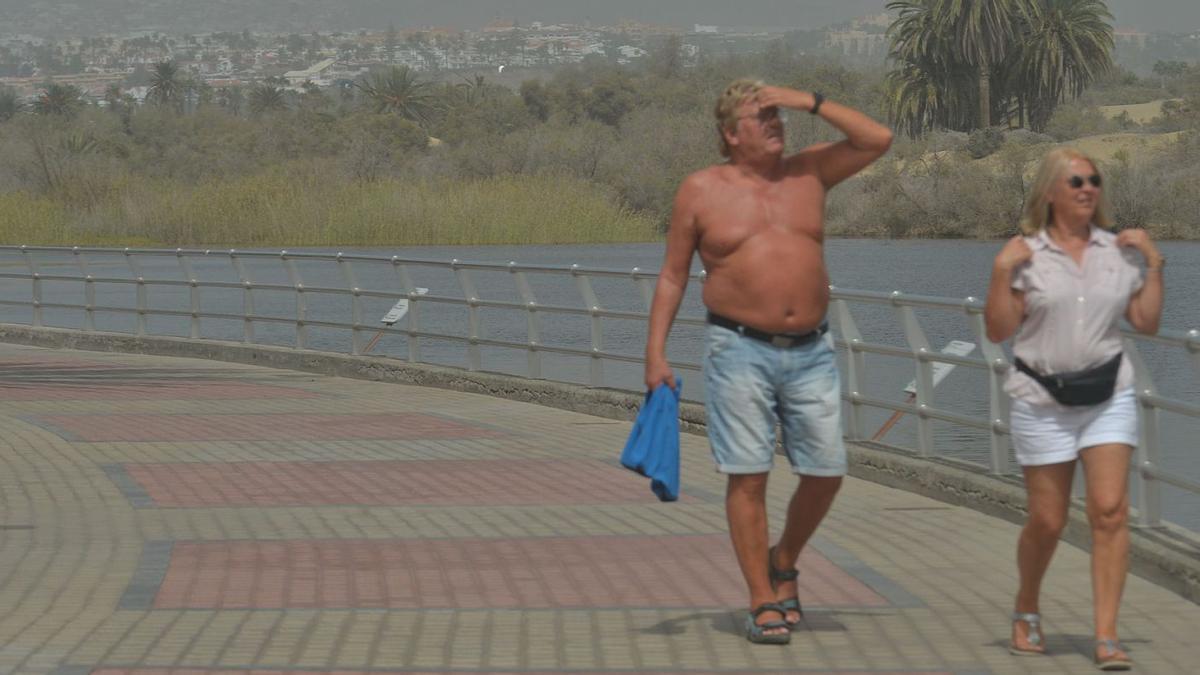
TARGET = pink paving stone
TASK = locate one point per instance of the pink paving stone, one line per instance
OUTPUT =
(390, 483)
(690, 571)
(145, 390)
(460, 671)
(207, 671)
(148, 427)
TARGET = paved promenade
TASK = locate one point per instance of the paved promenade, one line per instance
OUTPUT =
(164, 516)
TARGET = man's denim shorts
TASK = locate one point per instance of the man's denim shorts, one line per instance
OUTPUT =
(752, 385)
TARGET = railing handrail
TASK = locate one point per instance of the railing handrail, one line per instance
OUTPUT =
(1149, 473)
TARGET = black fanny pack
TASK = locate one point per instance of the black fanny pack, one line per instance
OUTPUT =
(1080, 387)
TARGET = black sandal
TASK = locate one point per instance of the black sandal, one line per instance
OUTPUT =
(757, 633)
(778, 576)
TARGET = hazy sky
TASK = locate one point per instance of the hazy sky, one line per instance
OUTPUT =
(1173, 15)
(1149, 15)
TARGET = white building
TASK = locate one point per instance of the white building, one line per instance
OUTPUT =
(314, 73)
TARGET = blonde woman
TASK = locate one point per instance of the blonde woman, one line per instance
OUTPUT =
(1061, 288)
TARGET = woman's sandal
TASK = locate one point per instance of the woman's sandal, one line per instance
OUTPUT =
(778, 576)
(1115, 659)
(1033, 637)
(757, 633)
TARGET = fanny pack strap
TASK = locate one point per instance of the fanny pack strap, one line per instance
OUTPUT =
(1053, 380)
(1024, 368)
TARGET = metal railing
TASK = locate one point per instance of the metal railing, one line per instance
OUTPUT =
(67, 280)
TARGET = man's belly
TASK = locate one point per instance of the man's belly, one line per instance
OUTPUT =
(777, 301)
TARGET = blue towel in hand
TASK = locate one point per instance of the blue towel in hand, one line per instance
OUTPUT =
(653, 446)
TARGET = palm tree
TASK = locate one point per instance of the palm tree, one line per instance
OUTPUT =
(59, 99)
(985, 30)
(1031, 52)
(265, 98)
(919, 100)
(399, 90)
(166, 86)
(950, 33)
(473, 91)
(1067, 47)
(928, 87)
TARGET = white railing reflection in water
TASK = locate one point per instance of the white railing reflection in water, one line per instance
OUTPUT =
(1148, 476)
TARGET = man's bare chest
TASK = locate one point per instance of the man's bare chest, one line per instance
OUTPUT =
(735, 217)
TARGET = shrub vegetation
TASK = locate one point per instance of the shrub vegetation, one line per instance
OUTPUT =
(591, 153)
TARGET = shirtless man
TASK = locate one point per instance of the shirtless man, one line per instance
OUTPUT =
(758, 223)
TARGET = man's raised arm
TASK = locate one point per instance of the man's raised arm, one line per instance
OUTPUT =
(682, 238)
(866, 139)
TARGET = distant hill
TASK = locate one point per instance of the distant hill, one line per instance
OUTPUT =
(89, 17)
(81, 17)
(62, 18)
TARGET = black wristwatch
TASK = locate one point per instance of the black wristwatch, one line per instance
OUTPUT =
(818, 99)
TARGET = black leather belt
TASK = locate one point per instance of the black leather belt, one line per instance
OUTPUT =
(782, 340)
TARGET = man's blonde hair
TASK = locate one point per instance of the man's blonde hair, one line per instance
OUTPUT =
(1039, 212)
(727, 105)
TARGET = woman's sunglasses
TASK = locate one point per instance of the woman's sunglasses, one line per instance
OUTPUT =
(1076, 182)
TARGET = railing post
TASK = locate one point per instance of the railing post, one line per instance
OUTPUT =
(193, 293)
(1193, 348)
(36, 288)
(592, 305)
(474, 358)
(645, 283)
(89, 290)
(855, 367)
(136, 270)
(412, 319)
(998, 404)
(919, 344)
(532, 318)
(247, 297)
(1147, 453)
(347, 270)
(301, 303)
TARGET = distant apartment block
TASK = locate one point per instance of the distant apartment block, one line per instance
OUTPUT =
(1129, 37)
(857, 42)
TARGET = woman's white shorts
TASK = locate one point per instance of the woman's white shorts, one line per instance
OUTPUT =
(1047, 435)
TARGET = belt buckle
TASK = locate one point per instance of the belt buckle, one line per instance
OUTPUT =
(782, 341)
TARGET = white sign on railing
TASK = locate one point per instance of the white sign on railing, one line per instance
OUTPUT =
(941, 370)
(398, 310)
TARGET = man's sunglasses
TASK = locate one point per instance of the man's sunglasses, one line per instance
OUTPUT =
(764, 115)
(1076, 182)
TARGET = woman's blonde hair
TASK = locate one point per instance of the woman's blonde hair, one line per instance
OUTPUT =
(727, 105)
(1038, 212)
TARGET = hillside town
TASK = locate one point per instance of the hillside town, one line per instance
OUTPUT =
(229, 59)
(294, 60)
(328, 59)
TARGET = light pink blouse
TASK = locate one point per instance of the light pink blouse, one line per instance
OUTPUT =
(1072, 312)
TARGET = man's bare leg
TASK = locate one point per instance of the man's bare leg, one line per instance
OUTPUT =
(746, 509)
(811, 501)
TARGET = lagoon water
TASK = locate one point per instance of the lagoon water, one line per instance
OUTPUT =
(943, 268)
